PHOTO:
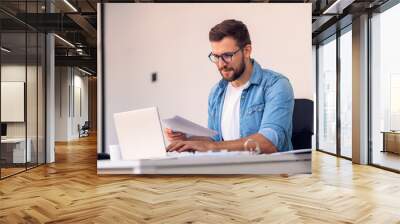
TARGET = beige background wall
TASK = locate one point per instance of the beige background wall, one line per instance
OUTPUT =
(172, 40)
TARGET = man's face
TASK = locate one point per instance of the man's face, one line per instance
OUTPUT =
(230, 71)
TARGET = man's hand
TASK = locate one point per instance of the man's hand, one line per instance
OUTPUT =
(181, 146)
(173, 136)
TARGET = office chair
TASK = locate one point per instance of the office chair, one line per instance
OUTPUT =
(84, 130)
(303, 124)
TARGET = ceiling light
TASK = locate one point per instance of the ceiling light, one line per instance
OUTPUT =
(65, 41)
(70, 5)
(338, 6)
(5, 50)
(84, 71)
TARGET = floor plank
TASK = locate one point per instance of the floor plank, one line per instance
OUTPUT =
(386, 159)
(69, 191)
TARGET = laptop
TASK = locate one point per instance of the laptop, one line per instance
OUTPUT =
(140, 134)
(143, 151)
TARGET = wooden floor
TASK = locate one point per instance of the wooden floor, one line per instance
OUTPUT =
(70, 191)
(10, 171)
(5, 172)
(387, 159)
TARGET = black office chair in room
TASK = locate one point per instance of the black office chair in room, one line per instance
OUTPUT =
(303, 123)
(84, 129)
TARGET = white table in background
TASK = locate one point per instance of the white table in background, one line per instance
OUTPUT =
(19, 153)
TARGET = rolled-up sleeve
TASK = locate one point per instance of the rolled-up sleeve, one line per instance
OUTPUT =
(276, 123)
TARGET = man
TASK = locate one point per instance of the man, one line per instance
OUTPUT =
(248, 103)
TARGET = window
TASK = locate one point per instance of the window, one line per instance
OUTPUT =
(346, 93)
(385, 88)
(327, 96)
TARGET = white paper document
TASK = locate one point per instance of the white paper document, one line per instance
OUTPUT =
(180, 124)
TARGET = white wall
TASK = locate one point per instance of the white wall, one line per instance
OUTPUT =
(69, 84)
(172, 40)
(61, 103)
(13, 94)
(80, 102)
(17, 73)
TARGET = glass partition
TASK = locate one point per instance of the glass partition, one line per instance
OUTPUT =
(22, 63)
(13, 113)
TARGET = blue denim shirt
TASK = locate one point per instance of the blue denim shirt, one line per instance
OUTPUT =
(266, 107)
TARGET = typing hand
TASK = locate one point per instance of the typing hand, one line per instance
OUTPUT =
(181, 146)
(173, 136)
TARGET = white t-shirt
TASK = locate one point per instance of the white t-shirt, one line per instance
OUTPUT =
(230, 120)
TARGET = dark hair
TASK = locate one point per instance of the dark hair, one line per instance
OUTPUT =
(231, 28)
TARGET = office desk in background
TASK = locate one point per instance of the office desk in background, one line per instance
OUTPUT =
(391, 141)
(13, 150)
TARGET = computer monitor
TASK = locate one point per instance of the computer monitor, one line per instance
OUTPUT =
(3, 129)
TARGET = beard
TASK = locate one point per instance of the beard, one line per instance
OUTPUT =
(237, 73)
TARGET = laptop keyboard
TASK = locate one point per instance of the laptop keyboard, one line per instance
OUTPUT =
(209, 153)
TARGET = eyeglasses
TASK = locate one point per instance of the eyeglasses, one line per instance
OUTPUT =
(226, 57)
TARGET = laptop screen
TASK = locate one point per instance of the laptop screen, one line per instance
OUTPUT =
(140, 134)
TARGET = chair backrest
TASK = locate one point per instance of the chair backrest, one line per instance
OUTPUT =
(86, 125)
(303, 123)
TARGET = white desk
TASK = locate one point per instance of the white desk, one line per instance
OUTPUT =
(19, 154)
(292, 162)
